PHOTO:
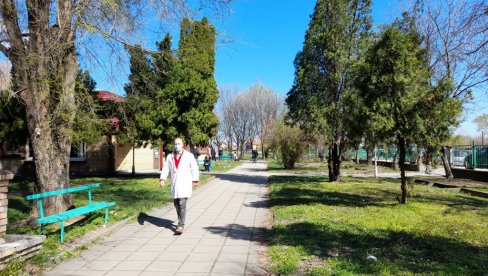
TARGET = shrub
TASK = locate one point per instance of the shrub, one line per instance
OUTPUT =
(289, 143)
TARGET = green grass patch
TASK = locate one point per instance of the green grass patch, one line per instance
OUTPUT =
(300, 167)
(223, 166)
(323, 228)
(315, 166)
(351, 167)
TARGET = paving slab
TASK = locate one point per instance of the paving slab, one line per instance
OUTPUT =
(225, 227)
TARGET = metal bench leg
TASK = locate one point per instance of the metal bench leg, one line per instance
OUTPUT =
(106, 217)
(42, 229)
(62, 231)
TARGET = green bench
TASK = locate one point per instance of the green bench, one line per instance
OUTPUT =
(61, 217)
(202, 167)
(227, 157)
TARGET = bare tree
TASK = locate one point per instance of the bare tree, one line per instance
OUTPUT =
(240, 114)
(41, 39)
(266, 106)
(224, 112)
(456, 36)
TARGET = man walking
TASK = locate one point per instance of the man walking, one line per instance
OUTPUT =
(183, 168)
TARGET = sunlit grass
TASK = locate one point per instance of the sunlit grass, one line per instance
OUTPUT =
(316, 166)
(323, 228)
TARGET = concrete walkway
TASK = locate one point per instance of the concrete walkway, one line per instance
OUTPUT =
(223, 235)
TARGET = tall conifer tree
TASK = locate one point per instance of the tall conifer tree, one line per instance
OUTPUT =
(194, 87)
(337, 34)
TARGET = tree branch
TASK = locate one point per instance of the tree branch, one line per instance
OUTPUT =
(4, 49)
(11, 23)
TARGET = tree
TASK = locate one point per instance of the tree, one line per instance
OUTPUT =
(224, 110)
(288, 142)
(482, 122)
(193, 86)
(395, 84)
(338, 32)
(266, 105)
(456, 37)
(39, 38)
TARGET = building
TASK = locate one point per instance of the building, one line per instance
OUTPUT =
(105, 157)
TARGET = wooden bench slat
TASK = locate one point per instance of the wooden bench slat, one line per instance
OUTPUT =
(64, 191)
(74, 212)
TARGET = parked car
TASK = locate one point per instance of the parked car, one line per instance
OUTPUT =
(481, 159)
(458, 156)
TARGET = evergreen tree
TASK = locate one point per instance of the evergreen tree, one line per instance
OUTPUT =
(89, 123)
(193, 87)
(394, 83)
(141, 90)
(337, 34)
(163, 62)
(165, 111)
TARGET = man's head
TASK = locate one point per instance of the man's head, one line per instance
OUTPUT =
(178, 145)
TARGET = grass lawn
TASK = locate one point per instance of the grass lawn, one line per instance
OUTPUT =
(275, 165)
(321, 167)
(223, 166)
(133, 195)
(323, 228)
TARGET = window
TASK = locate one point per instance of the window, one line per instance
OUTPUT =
(78, 152)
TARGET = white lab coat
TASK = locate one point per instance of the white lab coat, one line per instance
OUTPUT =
(181, 178)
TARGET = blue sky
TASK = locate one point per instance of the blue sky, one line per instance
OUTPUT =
(266, 35)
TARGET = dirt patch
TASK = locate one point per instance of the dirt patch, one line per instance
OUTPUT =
(462, 183)
(266, 224)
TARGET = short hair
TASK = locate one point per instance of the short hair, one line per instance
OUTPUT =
(176, 139)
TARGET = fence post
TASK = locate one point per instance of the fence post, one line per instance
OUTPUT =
(473, 156)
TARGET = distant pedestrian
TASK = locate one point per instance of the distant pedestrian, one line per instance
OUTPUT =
(206, 163)
(254, 156)
(183, 168)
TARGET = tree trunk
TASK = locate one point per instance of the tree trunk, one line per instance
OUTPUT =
(50, 133)
(112, 155)
(133, 159)
(370, 156)
(336, 164)
(401, 163)
(395, 161)
(329, 163)
(445, 161)
(357, 155)
(375, 162)
(44, 69)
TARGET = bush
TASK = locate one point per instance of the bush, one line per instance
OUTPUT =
(290, 144)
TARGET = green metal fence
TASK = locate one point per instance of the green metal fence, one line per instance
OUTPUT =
(469, 156)
(387, 154)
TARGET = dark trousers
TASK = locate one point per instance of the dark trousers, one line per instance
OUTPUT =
(180, 205)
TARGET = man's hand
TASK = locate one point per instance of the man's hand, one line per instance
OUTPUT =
(161, 183)
(195, 183)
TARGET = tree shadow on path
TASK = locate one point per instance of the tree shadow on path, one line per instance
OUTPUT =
(240, 232)
(160, 222)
